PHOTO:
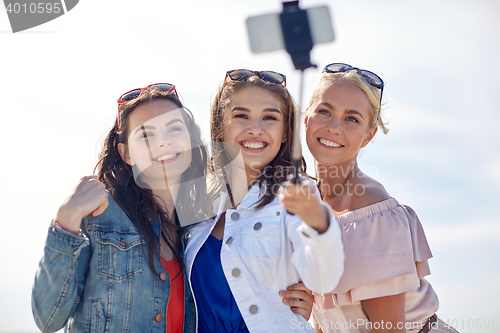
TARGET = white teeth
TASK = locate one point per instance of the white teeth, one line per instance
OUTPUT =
(167, 157)
(253, 145)
(329, 143)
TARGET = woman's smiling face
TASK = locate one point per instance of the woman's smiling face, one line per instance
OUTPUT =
(254, 122)
(159, 144)
(338, 124)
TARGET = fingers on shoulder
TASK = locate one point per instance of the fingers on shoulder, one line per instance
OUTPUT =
(88, 178)
(92, 182)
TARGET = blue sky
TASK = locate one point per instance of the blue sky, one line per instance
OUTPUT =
(439, 59)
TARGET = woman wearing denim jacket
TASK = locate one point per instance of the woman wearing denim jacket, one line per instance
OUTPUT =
(113, 255)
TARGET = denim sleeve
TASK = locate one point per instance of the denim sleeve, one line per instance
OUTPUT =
(60, 279)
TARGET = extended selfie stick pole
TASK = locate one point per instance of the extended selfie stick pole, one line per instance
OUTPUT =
(298, 43)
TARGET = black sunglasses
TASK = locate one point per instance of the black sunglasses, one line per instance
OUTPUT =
(244, 74)
(370, 77)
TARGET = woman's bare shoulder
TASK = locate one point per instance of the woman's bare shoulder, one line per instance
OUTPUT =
(368, 191)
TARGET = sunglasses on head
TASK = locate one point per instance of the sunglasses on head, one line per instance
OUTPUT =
(136, 93)
(244, 74)
(370, 77)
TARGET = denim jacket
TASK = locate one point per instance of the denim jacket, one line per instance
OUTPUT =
(101, 281)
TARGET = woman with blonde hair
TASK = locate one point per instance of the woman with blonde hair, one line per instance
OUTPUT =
(383, 288)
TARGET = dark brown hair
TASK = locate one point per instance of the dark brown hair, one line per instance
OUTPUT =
(139, 203)
(277, 170)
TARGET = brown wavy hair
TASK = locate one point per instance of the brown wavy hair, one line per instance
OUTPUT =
(139, 203)
(277, 170)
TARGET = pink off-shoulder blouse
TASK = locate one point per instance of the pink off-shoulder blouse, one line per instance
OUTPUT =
(386, 253)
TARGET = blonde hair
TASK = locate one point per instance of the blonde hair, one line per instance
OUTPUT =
(353, 77)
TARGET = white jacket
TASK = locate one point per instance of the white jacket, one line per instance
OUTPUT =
(266, 250)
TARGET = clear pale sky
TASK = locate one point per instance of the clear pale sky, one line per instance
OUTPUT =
(439, 59)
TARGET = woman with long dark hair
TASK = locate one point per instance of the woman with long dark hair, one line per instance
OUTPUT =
(113, 256)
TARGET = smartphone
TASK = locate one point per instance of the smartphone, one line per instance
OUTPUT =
(265, 35)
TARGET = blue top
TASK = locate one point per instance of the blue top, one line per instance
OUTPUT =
(217, 309)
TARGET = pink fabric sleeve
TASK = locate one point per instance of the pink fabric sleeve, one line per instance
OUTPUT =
(386, 253)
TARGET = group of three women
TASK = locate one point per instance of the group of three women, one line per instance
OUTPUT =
(167, 238)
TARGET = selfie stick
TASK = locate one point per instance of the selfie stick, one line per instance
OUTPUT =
(298, 43)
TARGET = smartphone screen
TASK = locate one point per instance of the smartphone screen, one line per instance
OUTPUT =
(265, 35)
